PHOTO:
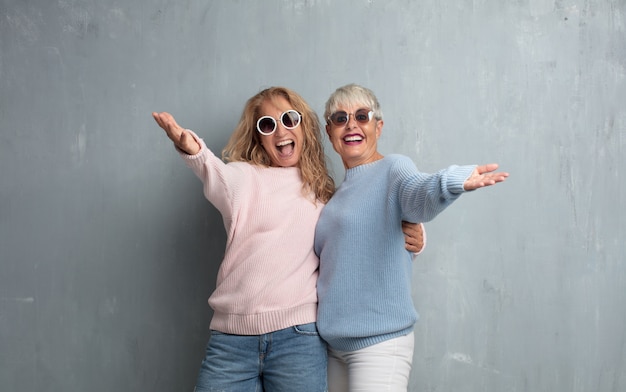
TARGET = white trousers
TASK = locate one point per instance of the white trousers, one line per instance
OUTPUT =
(383, 367)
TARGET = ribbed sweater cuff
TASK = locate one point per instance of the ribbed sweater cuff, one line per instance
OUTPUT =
(457, 177)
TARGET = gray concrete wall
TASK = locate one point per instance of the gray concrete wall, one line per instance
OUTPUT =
(108, 250)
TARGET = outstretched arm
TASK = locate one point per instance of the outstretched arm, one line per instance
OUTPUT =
(484, 176)
(178, 135)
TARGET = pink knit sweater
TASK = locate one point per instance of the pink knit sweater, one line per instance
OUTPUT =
(267, 279)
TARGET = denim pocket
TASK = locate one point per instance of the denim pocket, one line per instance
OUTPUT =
(309, 329)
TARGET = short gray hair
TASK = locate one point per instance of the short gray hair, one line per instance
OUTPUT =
(352, 95)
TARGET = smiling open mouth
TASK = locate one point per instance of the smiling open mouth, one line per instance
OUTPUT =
(285, 147)
(353, 138)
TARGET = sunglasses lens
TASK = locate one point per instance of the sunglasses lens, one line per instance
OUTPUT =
(362, 116)
(290, 119)
(266, 125)
(339, 118)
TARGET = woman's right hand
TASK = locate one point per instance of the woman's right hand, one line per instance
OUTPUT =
(177, 134)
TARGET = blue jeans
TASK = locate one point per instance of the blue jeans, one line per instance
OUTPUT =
(291, 359)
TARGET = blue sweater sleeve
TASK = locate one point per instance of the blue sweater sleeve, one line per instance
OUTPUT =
(423, 196)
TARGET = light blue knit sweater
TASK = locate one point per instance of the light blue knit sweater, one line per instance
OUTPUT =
(364, 287)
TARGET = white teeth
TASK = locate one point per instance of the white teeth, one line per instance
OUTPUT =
(284, 143)
(353, 138)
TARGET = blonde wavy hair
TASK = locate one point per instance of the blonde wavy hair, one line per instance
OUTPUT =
(244, 144)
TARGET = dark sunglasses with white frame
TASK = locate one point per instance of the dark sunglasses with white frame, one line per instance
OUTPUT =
(341, 118)
(290, 119)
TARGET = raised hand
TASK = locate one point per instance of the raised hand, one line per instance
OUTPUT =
(484, 176)
(177, 134)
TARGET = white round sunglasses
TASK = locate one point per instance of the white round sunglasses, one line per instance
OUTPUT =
(290, 119)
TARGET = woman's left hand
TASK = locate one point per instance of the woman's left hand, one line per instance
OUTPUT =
(484, 176)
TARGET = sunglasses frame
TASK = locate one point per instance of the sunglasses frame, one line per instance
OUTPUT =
(370, 115)
(258, 123)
